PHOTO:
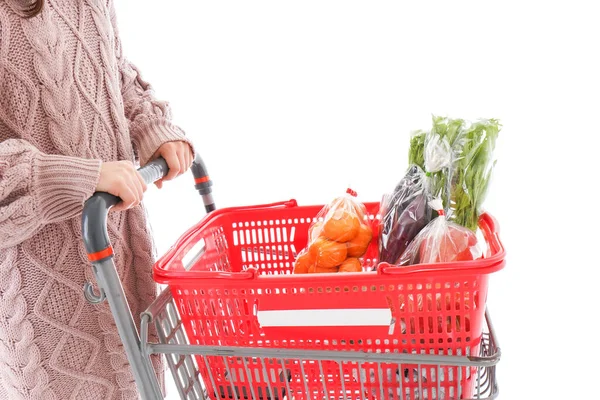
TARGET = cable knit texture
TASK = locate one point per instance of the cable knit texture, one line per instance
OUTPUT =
(68, 101)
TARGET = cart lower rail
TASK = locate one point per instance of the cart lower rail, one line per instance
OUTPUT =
(286, 374)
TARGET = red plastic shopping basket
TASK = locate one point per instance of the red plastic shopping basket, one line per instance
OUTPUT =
(231, 278)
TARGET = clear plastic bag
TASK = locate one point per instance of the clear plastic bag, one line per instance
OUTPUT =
(441, 241)
(403, 214)
(341, 235)
(406, 211)
(438, 159)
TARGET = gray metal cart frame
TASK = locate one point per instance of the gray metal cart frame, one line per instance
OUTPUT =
(179, 354)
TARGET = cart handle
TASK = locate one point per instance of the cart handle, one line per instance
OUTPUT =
(95, 211)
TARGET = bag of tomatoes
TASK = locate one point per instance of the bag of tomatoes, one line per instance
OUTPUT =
(338, 239)
(441, 241)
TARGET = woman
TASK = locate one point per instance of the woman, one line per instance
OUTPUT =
(74, 117)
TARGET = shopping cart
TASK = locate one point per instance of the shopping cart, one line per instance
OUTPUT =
(224, 337)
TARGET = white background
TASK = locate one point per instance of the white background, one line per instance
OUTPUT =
(301, 99)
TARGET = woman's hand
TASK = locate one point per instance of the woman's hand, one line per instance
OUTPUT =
(120, 178)
(179, 158)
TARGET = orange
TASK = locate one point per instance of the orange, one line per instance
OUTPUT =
(327, 253)
(351, 264)
(341, 225)
(315, 231)
(303, 263)
(358, 246)
(319, 270)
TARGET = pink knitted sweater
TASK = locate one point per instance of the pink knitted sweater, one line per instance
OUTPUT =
(68, 101)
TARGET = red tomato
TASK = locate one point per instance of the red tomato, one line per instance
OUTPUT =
(454, 245)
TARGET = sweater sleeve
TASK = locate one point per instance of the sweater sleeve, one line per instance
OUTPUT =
(38, 189)
(149, 119)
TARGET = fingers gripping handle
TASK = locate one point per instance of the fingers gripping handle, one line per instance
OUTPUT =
(95, 212)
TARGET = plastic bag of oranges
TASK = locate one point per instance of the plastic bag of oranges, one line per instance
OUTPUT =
(338, 239)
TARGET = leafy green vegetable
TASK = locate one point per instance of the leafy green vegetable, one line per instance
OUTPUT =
(448, 128)
(472, 172)
(463, 186)
(417, 149)
(437, 181)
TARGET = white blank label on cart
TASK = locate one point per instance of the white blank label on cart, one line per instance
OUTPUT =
(344, 317)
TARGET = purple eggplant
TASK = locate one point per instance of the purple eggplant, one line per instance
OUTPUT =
(404, 213)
